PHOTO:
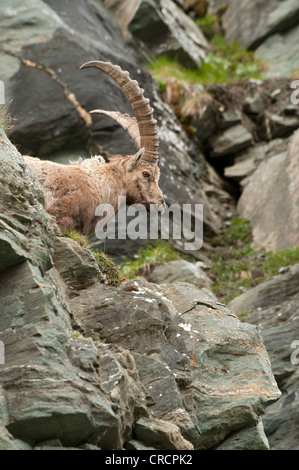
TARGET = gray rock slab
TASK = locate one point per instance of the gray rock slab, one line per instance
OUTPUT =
(166, 29)
(181, 270)
(180, 338)
(251, 23)
(273, 307)
(280, 52)
(230, 141)
(270, 200)
(161, 434)
(247, 161)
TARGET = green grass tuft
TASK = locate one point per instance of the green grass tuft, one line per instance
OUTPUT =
(237, 265)
(107, 267)
(157, 252)
(274, 261)
(227, 63)
(5, 119)
(209, 25)
(77, 236)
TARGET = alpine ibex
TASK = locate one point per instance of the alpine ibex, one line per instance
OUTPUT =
(72, 192)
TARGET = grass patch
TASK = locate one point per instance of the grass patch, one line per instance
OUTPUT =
(209, 25)
(274, 261)
(5, 119)
(238, 266)
(107, 267)
(77, 236)
(157, 252)
(227, 63)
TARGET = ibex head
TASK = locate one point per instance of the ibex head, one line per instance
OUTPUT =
(141, 171)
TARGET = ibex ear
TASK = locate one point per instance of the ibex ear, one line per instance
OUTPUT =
(135, 160)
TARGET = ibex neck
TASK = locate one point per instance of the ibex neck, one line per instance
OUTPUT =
(111, 178)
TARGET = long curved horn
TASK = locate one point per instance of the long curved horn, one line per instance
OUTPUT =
(140, 105)
(128, 123)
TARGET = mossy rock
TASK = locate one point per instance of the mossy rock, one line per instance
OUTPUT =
(107, 267)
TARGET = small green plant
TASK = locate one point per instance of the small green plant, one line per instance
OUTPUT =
(105, 263)
(237, 235)
(209, 25)
(283, 258)
(227, 63)
(157, 252)
(243, 315)
(107, 267)
(77, 236)
(234, 263)
(5, 119)
(162, 85)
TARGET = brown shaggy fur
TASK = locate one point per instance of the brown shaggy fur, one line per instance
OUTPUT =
(72, 192)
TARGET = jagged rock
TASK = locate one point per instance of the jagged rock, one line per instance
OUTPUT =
(248, 161)
(205, 124)
(53, 406)
(51, 370)
(161, 434)
(269, 200)
(125, 11)
(273, 307)
(248, 438)
(168, 359)
(181, 270)
(133, 444)
(281, 126)
(280, 52)
(250, 23)
(88, 366)
(255, 104)
(81, 269)
(270, 28)
(272, 293)
(166, 29)
(26, 230)
(230, 118)
(230, 141)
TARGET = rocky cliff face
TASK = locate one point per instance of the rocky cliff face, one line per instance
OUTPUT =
(269, 28)
(273, 306)
(146, 365)
(252, 139)
(94, 366)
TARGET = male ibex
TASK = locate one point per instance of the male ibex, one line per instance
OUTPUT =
(72, 192)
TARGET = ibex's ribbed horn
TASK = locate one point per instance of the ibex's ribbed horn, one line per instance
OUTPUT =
(148, 132)
(129, 123)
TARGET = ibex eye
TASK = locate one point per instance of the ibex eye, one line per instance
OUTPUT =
(146, 174)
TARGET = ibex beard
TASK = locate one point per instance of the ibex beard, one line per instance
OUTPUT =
(73, 192)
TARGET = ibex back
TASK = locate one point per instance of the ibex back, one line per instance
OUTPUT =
(73, 192)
